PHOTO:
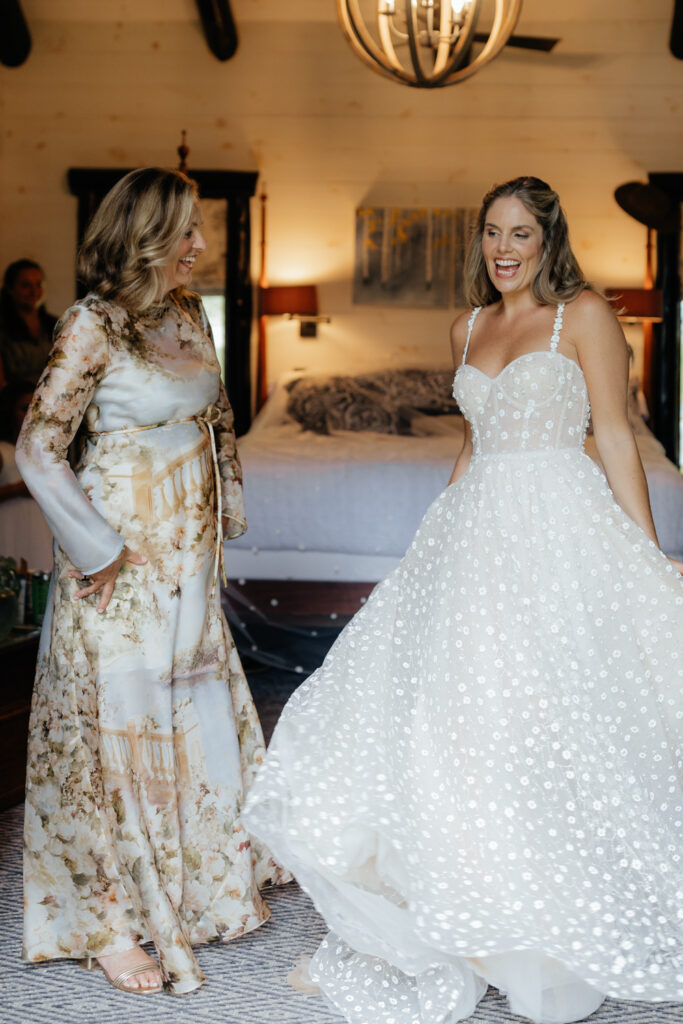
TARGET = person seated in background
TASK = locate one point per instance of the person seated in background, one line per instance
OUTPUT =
(25, 326)
(24, 534)
(14, 401)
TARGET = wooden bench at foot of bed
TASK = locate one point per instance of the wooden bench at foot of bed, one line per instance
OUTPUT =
(310, 602)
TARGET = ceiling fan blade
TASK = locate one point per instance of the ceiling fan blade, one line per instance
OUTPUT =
(15, 38)
(676, 40)
(542, 43)
(219, 27)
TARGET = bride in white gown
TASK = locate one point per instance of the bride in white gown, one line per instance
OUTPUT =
(482, 783)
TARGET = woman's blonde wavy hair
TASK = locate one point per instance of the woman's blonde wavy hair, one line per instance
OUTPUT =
(558, 278)
(134, 235)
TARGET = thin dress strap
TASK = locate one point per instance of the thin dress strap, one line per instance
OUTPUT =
(557, 327)
(470, 325)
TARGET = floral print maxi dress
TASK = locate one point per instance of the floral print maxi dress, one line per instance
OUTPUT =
(143, 735)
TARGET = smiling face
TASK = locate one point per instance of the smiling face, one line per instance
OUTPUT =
(512, 245)
(27, 289)
(192, 244)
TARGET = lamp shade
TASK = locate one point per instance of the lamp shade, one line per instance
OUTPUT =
(636, 303)
(293, 299)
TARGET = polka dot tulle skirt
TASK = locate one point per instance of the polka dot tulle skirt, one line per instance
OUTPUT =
(482, 783)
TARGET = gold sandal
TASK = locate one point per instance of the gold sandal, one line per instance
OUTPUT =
(92, 964)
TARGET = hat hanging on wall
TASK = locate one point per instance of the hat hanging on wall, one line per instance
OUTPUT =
(648, 204)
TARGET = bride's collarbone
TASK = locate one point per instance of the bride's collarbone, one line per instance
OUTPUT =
(486, 365)
(497, 347)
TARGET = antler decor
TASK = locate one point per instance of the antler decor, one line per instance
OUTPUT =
(425, 43)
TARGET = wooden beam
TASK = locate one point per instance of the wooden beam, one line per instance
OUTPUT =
(666, 347)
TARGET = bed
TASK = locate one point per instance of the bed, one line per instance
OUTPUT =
(340, 501)
(24, 534)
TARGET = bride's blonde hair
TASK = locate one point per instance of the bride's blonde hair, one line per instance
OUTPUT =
(558, 278)
(134, 234)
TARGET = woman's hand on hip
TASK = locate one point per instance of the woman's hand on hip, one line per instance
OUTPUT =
(102, 582)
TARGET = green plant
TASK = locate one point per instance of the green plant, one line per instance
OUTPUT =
(9, 589)
(9, 578)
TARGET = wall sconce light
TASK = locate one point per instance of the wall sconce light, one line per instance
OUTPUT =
(640, 306)
(296, 302)
(636, 305)
(293, 301)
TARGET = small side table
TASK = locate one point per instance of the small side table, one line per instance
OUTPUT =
(18, 654)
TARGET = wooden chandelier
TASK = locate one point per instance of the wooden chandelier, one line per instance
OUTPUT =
(425, 43)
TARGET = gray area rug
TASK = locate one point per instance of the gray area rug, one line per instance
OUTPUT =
(247, 979)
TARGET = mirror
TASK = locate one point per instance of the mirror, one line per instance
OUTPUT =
(223, 279)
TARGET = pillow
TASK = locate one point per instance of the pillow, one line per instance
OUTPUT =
(385, 401)
(341, 403)
(428, 391)
(436, 426)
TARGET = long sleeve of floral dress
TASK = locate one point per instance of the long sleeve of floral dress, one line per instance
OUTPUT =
(228, 460)
(234, 515)
(76, 365)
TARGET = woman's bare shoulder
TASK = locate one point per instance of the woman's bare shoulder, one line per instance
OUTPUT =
(588, 306)
(459, 333)
(459, 325)
(593, 328)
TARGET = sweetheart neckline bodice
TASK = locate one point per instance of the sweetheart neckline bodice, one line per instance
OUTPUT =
(517, 359)
(533, 404)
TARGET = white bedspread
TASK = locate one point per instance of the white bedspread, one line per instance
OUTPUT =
(23, 531)
(665, 483)
(346, 506)
(355, 493)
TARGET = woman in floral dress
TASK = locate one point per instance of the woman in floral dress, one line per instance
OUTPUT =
(143, 736)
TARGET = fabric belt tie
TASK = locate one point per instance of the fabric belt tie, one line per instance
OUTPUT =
(207, 420)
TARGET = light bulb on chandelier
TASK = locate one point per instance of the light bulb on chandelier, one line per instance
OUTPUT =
(425, 43)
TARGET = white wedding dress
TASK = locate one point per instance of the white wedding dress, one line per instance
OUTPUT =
(482, 783)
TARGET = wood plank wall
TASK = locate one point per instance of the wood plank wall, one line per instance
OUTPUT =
(113, 84)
